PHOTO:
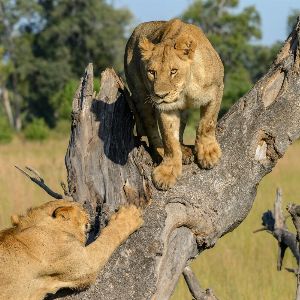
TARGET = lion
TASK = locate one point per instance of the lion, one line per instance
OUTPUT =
(170, 67)
(45, 249)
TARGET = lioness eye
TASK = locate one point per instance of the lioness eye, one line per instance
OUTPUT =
(152, 72)
(173, 71)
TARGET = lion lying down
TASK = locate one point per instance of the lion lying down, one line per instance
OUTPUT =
(45, 249)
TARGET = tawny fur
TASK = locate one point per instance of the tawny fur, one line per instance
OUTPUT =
(45, 250)
(171, 67)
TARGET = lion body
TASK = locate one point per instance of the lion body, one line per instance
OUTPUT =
(171, 67)
(45, 250)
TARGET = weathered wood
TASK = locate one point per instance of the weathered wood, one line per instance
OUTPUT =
(194, 287)
(102, 155)
(37, 179)
(274, 223)
(294, 211)
(204, 204)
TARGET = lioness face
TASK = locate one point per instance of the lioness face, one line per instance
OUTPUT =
(166, 71)
(60, 215)
(74, 219)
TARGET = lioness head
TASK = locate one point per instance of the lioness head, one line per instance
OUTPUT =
(63, 215)
(166, 69)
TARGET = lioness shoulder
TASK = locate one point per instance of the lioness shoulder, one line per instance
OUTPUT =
(171, 67)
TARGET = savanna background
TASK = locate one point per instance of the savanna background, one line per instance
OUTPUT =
(44, 48)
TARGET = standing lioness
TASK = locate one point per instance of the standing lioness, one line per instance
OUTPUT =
(170, 67)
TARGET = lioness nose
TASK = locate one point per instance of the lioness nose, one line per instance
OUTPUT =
(162, 95)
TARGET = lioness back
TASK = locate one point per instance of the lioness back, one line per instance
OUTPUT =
(171, 66)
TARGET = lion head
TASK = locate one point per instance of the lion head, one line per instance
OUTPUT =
(58, 215)
(166, 69)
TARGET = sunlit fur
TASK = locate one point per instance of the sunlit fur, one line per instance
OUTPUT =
(171, 67)
(45, 249)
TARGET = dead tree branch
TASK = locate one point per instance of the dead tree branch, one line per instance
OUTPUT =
(274, 223)
(36, 178)
(204, 205)
(197, 292)
(294, 211)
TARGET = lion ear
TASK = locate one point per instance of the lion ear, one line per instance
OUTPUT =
(15, 220)
(63, 212)
(185, 47)
(146, 48)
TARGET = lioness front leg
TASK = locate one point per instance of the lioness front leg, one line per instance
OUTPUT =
(208, 151)
(165, 175)
(127, 220)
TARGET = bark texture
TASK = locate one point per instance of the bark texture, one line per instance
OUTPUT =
(204, 205)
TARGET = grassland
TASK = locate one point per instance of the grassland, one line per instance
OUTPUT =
(241, 266)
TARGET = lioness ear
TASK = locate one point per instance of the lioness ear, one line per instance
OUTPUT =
(63, 212)
(15, 220)
(185, 47)
(146, 48)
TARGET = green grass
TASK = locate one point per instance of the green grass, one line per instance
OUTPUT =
(241, 266)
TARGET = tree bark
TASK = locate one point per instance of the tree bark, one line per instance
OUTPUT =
(204, 205)
(7, 107)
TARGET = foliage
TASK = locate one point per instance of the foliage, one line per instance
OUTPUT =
(6, 133)
(61, 101)
(232, 33)
(48, 43)
(45, 46)
(37, 130)
(292, 19)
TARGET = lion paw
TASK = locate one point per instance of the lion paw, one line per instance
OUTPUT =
(208, 154)
(165, 175)
(187, 154)
(129, 216)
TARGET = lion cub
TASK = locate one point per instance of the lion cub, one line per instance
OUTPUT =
(171, 67)
(45, 250)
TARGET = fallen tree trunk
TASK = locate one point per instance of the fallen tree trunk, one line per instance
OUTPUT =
(103, 158)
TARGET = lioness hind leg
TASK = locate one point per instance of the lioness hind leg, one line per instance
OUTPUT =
(187, 152)
(208, 151)
(147, 125)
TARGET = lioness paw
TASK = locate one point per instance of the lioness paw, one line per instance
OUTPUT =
(128, 216)
(165, 175)
(208, 154)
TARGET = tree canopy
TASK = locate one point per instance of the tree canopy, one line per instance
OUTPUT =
(234, 33)
(45, 46)
(48, 43)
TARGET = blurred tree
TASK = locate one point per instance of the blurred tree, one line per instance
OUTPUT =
(74, 34)
(292, 19)
(231, 32)
(48, 43)
(15, 16)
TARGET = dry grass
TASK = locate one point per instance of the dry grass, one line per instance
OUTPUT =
(16, 191)
(241, 266)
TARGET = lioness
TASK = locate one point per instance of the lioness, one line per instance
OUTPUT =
(45, 250)
(170, 67)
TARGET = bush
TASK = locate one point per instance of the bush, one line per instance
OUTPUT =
(61, 101)
(37, 130)
(6, 133)
(61, 130)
